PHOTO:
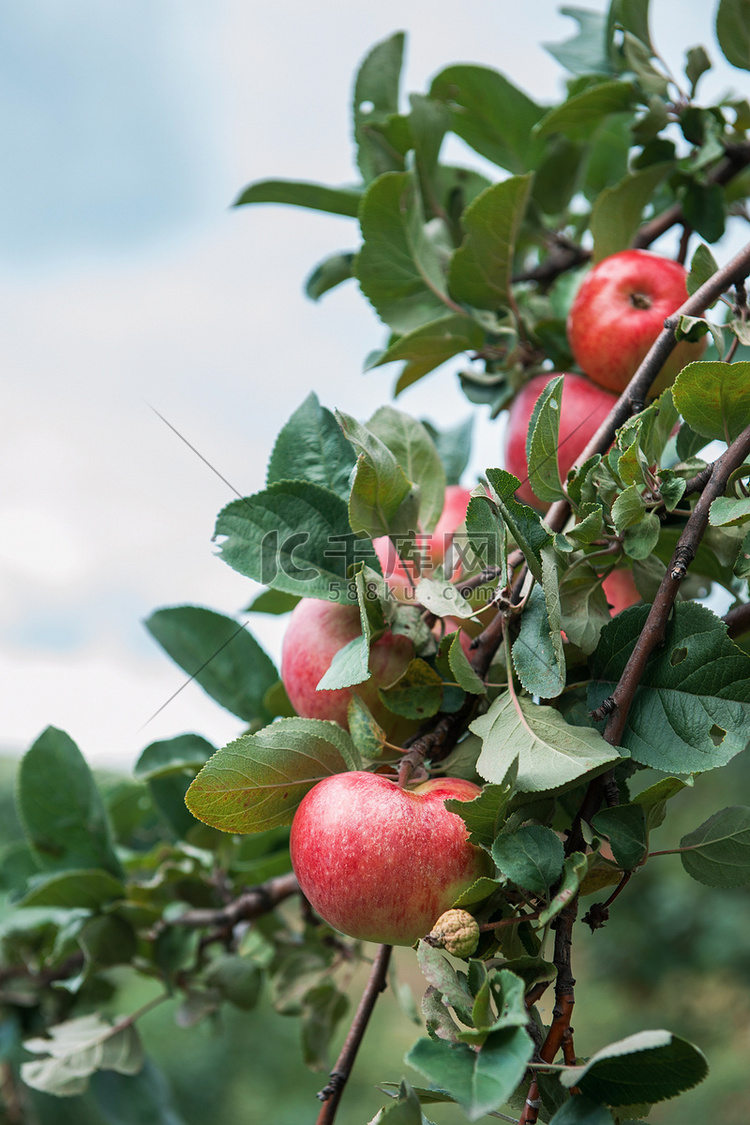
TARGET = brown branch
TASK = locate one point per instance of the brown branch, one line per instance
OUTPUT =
(330, 1095)
(737, 620)
(653, 631)
(251, 904)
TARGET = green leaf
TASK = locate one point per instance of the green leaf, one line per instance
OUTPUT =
(312, 447)
(480, 1081)
(691, 711)
(588, 107)
(108, 940)
(538, 655)
(60, 808)
(616, 215)
(466, 677)
(733, 32)
(542, 441)
(742, 565)
(702, 267)
(453, 446)
(398, 267)
(428, 347)
(485, 815)
(531, 857)
(375, 99)
(720, 855)
(524, 524)
(714, 398)
(584, 609)
(89, 889)
(256, 782)
(219, 654)
(442, 598)
(137, 1099)
(704, 209)
(632, 16)
(184, 754)
(380, 486)
(698, 62)
(405, 1110)
(329, 273)
(273, 601)
(415, 451)
(440, 974)
(75, 1049)
(550, 752)
(648, 1067)
(586, 52)
(316, 197)
(575, 869)
(417, 694)
(238, 979)
(653, 800)
(628, 509)
(481, 268)
(728, 510)
(367, 735)
(490, 114)
(294, 536)
(580, 1110)
(625, 827)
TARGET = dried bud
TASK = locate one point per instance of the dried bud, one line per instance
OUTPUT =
(455, 931)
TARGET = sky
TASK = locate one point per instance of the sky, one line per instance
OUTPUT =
(128, 285)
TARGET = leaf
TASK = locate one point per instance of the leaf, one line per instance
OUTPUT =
(531, 857)
(88, 889)
(312, 447)
(429, 346)
(698, 62)
(733, 32)
(466, 677)
(490, 114)
(376, 92)
(442, 598)
(60, 808)
(453, 446)
(550, 752)
(273, 601)
(538, 655)
(702, 267)
(616, 215)
(380, 486)
(180, 755)
(587, 107)
(405, 1110)
(625, 827)
(480, 1081)
(415, 451)
(586, 51)
(632, 16)
(653, 800)
(398, 267)
(328, 274)
(580, 1110)
(691, 711)
(648, 1067)
(720, 855)
(726, 510)
(524, 524)
(575, 870)
(108, 940)
(542, 441)
(704, 209)
(75, 1049)
(417, 694)
(439, 973)
(481, 268)
(316, 197)
(485, 815)
(257, 781)
(294, 536)
(714, 398)
(367, 735)
(135, 1099)
(219, 654)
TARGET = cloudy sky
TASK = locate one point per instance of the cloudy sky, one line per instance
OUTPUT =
(126, 283)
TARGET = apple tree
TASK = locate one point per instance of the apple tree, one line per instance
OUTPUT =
(545, 655)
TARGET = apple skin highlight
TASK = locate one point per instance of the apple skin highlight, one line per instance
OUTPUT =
(382, 863)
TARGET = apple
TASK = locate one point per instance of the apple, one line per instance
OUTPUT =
(316, 631)
(429, 549)
(620, 590)
(382, 863)
(584, 408)
(619, 311)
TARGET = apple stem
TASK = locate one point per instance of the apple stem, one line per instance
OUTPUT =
(330, 1095)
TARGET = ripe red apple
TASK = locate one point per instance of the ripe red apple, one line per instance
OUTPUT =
(315, 633)
(619, 311)
(620, 590)
(429, 549)
(382, 863)
(584, 408)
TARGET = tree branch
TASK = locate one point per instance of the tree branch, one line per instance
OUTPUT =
(251, 904)
(330, 1095)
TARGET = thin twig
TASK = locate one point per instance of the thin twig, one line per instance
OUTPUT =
(250, 904)
(330, 1095)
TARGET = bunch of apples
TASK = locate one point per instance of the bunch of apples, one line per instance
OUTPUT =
(379, 861)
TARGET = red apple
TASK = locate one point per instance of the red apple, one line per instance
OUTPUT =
(584, 408)
(382, 863)
(315, 633)
(620, 590)
(619, 311)
(429, 549)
